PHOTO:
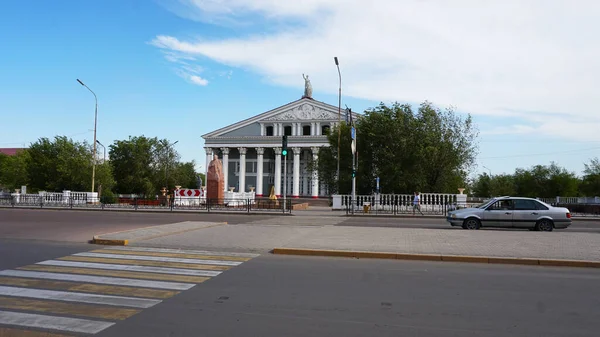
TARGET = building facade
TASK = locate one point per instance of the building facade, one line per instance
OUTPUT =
(251, 149)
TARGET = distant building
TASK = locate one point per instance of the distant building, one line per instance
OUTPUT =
(11, 151)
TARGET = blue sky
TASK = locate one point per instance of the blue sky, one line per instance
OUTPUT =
(178, 69)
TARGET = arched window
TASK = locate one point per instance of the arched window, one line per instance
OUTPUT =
(269, 130)
(306, 130)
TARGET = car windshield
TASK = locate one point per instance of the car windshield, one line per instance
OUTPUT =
(485, 204)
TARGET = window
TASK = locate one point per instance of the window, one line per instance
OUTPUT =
(540, 206)
(287, 130)
(306, 130)
(269, 130)
(325, 129)
(502, 205)
(525, 205)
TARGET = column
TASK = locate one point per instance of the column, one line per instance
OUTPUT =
(242, 175)
(262, 129)
(305, 175)
(225, 151)
(259, 171)
(318, 129)
(296, 187)
(315, 175)
(209, 153)
(277, 171)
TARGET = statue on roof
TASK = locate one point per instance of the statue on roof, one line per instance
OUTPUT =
(307, 87)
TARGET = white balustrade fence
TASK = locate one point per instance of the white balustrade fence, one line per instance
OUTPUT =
(55, 198)
(429, 202)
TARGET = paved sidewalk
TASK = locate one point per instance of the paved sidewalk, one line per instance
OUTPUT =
(262, 237)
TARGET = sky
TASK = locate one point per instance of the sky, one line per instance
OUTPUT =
(527, 71)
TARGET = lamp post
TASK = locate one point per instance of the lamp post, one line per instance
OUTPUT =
(339, 121)
(95, 125)
(488, 170)
(103, 150)
(167, 163)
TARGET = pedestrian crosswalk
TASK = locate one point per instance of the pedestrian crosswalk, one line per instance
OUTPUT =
(88, 292)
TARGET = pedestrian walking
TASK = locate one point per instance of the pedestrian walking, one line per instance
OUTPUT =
(417, 203)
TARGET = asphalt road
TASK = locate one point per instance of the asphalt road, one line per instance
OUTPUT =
(310, 296)
(277, 296)
(579, 225)
(81, 226)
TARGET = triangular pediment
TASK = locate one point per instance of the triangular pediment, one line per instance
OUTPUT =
(304, 109)
(304, 112)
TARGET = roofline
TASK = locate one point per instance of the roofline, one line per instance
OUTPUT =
(267, 113)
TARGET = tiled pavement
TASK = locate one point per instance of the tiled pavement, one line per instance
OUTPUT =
(86, 293)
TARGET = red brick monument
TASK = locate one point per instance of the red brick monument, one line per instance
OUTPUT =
(215, 181)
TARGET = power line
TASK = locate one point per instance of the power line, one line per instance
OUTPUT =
(68, 136)
(541, 154)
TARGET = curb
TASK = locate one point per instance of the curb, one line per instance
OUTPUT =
(108, 242)
(97, 239)
(125, 210)
(435, 257)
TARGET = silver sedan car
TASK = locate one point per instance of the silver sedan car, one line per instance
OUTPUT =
(512, 212)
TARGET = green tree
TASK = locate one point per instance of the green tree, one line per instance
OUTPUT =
(430, 151)
(134, 165)
(184, 174)
(143, 165)
(546, 181)
(60, 164)
(13, 170)
(502, 184)
(590, 185)
(482, 186)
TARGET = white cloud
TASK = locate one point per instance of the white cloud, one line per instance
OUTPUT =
(198, 80)
(191, 78)
(497, 57)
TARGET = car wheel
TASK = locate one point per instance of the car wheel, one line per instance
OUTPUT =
(544, 225)
(471, 223)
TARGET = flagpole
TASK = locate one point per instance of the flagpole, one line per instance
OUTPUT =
(353, 134)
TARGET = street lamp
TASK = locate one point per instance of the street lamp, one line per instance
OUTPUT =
(339, 121)
(167, 163)
(488, 170)
(103, 150)
(95, 124)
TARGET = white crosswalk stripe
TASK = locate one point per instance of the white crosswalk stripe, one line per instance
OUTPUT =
(98, 279)
(159, 258)
(162, 270)
(182, 251)
(100, 288)
(53, 322)
(78, 297)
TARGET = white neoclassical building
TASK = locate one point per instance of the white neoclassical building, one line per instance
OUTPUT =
(251, 149)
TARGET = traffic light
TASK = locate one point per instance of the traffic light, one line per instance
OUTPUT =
(284, 146)
(353, 173)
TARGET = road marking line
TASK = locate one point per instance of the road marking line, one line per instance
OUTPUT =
(53, 322)
(144, 263)
(175, 255)
(86, 287)
(183, 251)
(98, 279)
(75, 309)
(161, 259)
(116, 273)
(78, 297)
(107, 266)
(9, 332)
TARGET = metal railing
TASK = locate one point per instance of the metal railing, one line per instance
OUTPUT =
(395, 206)
(165, 204)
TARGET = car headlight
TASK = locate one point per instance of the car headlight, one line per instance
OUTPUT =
(453, 216)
